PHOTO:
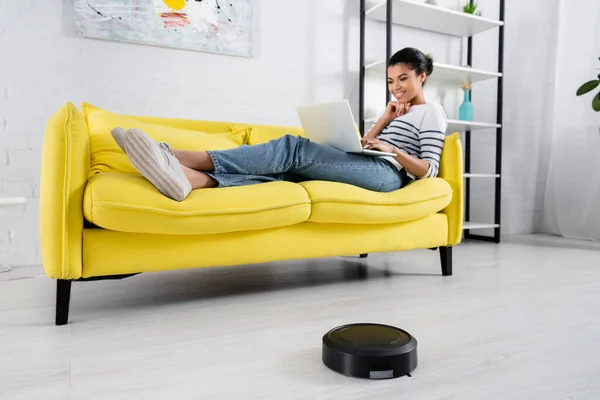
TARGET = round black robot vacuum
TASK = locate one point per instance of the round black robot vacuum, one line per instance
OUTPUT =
(371, 351)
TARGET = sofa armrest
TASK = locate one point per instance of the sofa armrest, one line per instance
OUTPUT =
(451, 170)
(64, 171)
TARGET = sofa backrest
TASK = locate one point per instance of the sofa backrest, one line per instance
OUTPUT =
(190, 124)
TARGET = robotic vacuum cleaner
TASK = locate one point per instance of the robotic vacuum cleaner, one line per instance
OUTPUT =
(371, 351)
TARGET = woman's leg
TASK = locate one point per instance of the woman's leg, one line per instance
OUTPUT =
(264, 162)
(296, 155)
(202, 180)
(198, 179)
(292, 154)
(198, 160)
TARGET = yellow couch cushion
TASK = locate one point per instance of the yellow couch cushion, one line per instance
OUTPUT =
(347, 204)
(265, 133)
(206, 126)
(129, 203)
(106, 156)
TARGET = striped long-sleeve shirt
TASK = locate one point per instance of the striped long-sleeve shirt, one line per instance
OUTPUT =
(420, 133)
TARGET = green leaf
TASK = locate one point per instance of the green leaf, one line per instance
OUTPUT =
(588, 87)
(470, 8)
(596, 103)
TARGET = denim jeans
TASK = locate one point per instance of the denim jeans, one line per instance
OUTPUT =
(297, 157)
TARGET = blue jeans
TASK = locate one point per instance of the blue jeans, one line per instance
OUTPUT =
(296, 158)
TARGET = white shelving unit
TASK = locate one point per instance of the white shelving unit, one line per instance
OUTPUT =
(463, 126)
(445, 73)
(458, 126)
(418, 15)
(433, 18)
(477, 225)
(470, 175)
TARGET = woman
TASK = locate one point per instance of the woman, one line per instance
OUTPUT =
(410, 128)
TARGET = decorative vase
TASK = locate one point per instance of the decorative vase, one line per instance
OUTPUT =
(465, 112)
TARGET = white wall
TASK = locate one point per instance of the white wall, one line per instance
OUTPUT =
(305, 51)
(570, 168)
(530, 55)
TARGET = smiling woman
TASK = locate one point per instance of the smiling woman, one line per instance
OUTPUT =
(410, 127)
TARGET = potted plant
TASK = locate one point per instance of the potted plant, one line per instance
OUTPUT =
(471, 8)
(588, 87)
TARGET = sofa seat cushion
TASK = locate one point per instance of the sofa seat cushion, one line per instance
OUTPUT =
(347, 204)
(129, 203)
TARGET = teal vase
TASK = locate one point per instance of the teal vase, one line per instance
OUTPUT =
(465, 112)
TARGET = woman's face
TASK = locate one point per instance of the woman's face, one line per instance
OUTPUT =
(403, 83)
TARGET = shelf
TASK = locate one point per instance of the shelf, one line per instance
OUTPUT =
(469, 175)
(445, 73)
(463, 126)
(457, 126)
(12, 201)
(433, 18)
(452, 73)
(477, 225)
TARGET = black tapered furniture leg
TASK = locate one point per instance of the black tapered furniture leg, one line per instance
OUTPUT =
(446, 258)
(63, 294)
(364, 255)
(63, 297)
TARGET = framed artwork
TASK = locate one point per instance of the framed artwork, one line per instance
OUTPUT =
(213, 26)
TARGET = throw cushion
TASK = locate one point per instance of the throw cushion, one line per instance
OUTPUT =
(264, 133)
(106, 156)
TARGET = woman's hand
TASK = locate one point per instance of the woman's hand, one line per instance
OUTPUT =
(374, 144)
(395, 110)
(392, 111)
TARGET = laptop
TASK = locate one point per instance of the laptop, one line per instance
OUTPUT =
(332, 124)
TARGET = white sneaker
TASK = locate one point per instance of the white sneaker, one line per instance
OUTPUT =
(156, 163)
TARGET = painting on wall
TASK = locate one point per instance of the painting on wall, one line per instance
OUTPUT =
(213, 26)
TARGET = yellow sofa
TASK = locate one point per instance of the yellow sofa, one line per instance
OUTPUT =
(100, 219)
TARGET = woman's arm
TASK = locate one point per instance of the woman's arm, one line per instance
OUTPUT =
(392, 111)
(414, 165)
(376, 129)
(431, 139)
(431, 142)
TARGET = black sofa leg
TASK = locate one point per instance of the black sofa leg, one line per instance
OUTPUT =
(364, 255)
(446, 258)
(63, 297)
